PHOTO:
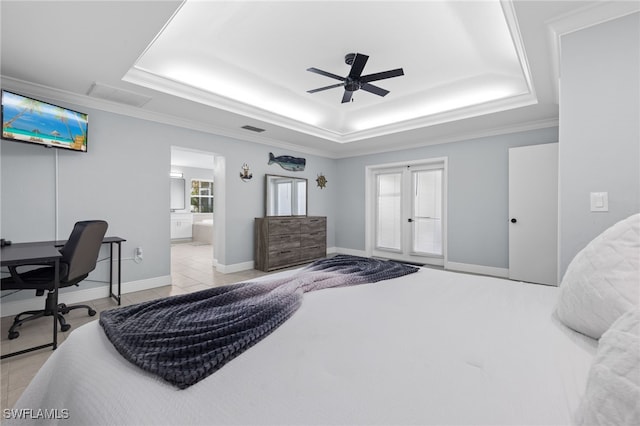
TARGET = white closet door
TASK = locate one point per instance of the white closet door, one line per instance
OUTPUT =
(533, 214)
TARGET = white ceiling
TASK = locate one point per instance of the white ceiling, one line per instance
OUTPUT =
(471, 68)
(191, 158)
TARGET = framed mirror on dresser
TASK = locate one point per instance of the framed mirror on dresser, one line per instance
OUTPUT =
(285, 196)
(287, 236)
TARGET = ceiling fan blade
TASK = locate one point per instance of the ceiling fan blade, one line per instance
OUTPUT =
(325, 88)
(326, 74)
(347, 96)
(381, 75)
(358, 65)
(374, 89)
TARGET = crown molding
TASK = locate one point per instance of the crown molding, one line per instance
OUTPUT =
(339, 150)
(461, 137)
(580, 19)
(63, 96)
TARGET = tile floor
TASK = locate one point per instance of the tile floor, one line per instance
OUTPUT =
(191, 270)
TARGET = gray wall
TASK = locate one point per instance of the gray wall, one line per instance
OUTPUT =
(477, 197)
(124, 179)
(599, 132)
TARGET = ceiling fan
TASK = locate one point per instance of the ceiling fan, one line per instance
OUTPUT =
(355, 80)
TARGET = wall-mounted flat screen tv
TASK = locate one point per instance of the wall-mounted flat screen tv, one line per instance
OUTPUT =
(32, 121)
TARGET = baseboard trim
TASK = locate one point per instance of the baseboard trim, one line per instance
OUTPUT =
(235, 267)
(70, 296)
(351, 252)
(146, 284)
(477, 269)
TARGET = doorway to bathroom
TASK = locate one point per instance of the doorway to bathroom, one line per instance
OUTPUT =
(193, 216)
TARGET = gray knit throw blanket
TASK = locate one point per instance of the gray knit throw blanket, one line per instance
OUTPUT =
(185, 338)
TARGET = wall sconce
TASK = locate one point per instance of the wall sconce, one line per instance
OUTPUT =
(175, 174)
(245, 174)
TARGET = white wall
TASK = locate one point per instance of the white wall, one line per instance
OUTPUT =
(599, 146)
(124, 179)
(478, 222)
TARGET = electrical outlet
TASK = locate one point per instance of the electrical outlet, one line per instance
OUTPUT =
(138, 253)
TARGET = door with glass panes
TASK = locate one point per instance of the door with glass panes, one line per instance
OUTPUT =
(408, 206)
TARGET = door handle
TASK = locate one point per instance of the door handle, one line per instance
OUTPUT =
(514, 220)
(409, 220)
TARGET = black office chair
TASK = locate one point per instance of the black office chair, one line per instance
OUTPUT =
(79, 258)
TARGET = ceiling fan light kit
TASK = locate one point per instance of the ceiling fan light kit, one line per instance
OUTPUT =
(355, 81)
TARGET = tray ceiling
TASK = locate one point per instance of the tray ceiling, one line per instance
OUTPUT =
(460, 59)
(471, 68)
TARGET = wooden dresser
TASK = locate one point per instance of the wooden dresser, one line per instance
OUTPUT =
(286, 241)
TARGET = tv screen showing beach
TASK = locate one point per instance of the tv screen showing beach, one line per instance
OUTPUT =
(29, 120)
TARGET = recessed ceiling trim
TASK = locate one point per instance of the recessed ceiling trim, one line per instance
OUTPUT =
(73, 99)
(224, 76)
(114, 94)
(335, 152)
(152, 81)
(155, 82)
(518, 43)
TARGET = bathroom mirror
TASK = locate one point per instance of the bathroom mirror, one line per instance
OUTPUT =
(177, 194)
(285, 196)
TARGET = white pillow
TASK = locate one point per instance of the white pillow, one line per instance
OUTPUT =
(603, 280)
(612, 396)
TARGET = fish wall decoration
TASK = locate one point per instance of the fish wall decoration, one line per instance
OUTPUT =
(288, 162)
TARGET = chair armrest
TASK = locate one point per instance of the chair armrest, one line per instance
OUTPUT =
(15, 275)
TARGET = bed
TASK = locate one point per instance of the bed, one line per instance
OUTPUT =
(432, 348)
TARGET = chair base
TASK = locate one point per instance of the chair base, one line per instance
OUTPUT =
(50, 309)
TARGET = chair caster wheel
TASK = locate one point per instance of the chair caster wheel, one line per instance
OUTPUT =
(91, 312)
(13, 335)
(65, 327)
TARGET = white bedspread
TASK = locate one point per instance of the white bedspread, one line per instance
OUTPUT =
(433, 347)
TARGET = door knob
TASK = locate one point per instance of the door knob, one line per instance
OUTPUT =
(514, 220)
(409, 220)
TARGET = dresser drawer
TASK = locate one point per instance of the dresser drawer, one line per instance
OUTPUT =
(284, 241)
(283, 257)
(313, 239)
(314, 252)
(313, 224)
(284, 226)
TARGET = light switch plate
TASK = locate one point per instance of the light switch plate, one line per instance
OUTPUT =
(599, 201)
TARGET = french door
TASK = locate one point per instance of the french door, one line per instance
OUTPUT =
(407, 212)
